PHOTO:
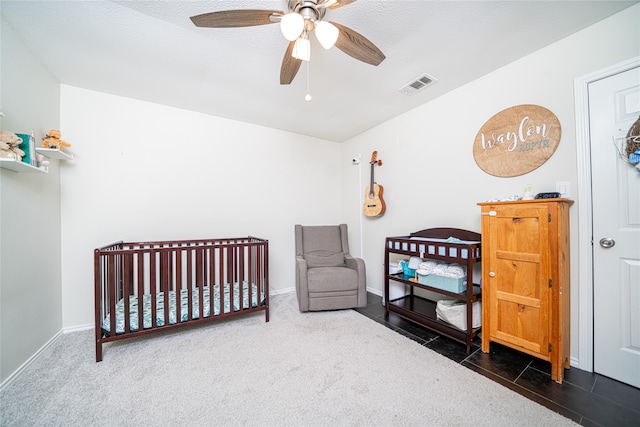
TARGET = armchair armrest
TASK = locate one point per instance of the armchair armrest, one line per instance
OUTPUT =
(354, 263)
(302, 288)
(358, 265)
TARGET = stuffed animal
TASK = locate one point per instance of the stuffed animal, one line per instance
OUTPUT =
(52, 140)
(9, 146)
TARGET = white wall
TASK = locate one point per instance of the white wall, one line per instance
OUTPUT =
(143, 171)
(30, 291)
(429, 175)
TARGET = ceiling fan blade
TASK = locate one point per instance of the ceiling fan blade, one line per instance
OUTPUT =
(340, 3)
(235, 18)
(356, 45)
(290, 66)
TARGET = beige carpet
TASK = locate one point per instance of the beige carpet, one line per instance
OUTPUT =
(300, 369)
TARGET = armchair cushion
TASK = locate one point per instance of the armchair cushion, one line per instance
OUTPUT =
(321, 238)
(330, 279)
(324, 259)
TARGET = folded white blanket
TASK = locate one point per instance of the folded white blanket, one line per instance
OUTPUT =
(456, 271)
(440, 269)
(453, 270)
(428, 266)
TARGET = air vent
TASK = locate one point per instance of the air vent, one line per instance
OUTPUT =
(417, 85)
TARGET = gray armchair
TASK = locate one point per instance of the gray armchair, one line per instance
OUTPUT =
(327, 276)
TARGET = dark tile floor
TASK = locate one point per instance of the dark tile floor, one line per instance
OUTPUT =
(587, 398)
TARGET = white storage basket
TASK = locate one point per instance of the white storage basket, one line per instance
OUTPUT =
(455, 313)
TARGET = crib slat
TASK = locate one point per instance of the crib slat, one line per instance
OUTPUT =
(127, 273)
(139, 297)
(240, 261)
(111, 293)
(221, 279)
(230, 277)
(164, 281)
(199, 283)
(153, 290)
(212, 278)
(250, 273)
(177, 255)
(189, 285)
(192, 286)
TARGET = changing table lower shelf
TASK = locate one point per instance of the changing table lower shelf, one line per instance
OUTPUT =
(423, 312)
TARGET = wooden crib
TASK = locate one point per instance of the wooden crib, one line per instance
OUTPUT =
(146, 287)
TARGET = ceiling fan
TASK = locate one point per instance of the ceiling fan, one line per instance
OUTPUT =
(300, 19)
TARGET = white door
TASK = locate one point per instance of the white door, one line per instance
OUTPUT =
(614, 105)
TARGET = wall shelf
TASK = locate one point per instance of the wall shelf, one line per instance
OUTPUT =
(19, 166)
(53, 153)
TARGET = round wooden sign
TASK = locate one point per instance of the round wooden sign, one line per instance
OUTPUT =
(517, 140)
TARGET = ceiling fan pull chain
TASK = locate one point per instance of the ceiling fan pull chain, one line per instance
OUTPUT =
(308, 95)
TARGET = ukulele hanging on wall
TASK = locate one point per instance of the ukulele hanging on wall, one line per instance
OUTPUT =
(373, 203)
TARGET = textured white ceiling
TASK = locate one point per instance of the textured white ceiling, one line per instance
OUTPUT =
(150, 50)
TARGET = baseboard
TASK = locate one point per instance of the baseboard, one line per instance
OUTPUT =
(574, 362)
(291, 290)
(374, 291)
(78, 328)
(29, 361)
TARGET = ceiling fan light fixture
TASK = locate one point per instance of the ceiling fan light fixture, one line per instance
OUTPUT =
(327, 34)
(291, 26)
(297, 19)
(302, 49)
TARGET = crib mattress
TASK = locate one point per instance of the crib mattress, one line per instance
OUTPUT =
(184, 306)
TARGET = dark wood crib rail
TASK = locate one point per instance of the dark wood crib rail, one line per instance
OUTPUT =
(157, 269)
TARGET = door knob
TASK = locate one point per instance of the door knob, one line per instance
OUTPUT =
(607, 242)
(492, 274)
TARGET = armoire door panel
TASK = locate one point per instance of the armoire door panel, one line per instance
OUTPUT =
(519, 278)
(519, 256)
(521, 324)
(519, 343)
(518, 299)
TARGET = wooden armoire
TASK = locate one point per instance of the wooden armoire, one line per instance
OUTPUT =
(525, 278)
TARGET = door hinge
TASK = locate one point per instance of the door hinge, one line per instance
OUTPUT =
(550, 348)
(550, 283)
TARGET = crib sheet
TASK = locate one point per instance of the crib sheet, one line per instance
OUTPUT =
(184, 306)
